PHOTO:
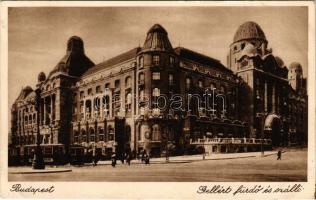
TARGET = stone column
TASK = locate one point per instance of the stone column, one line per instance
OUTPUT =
(57, 102)
(92, 108)
(84, 109)
(265, 96)
(51, 109)
(44, 111)
(273, 97)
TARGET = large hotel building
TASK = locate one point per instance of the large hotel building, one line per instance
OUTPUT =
(147, 98)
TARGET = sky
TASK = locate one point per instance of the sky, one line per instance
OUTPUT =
(38, 36)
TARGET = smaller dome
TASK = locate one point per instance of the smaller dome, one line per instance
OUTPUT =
(75, 45)
(295, 66)
(157, 28)
(279, 61)
(41, 77)
(157, 40)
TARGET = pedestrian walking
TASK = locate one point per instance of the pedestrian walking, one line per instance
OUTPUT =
(128, 158)
(113, 159)
(146, 159)
(279, 155)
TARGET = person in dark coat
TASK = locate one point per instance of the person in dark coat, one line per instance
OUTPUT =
(113, 159)
(146, 159)
(128, 158)
(279, 155)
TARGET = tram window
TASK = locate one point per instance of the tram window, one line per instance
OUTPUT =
(48, 150)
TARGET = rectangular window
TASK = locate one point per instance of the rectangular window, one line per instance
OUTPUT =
(156, 75)
(98, 89)
(170, 79)
(81, 94)
(171, 60)
(156, 92)
(141, 62)
(89, 91)
(155, 60)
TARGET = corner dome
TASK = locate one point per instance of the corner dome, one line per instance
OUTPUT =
(75, 62)
(279, 61)
(249, 30)
(24, 93)
(41, 77)
(157, 39)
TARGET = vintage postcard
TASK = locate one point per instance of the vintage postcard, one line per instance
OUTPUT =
(158, 100)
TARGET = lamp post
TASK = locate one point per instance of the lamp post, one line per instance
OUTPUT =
(38, 161)
(261, 115)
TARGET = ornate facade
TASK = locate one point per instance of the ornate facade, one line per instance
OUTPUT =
(270, 91)
(139, 99)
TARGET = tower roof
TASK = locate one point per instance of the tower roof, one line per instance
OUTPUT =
(249, 30)
(75, 62)
(157, 39)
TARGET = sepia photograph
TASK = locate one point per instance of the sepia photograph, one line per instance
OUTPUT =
(169, 94)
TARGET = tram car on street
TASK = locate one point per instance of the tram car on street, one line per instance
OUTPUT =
(53, 154)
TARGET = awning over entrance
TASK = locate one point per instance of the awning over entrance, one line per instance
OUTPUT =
(269, 120)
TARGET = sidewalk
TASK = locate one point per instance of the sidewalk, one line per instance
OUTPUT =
(196, 158)
(162, 160)
(29, 170)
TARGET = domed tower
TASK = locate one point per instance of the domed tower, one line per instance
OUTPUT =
(75, 62)
(296, 75)
(156, 72)
(249, 40)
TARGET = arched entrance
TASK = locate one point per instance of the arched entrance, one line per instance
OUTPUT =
(273, 129)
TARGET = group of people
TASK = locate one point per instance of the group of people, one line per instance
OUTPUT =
(127, 157)
(145, 158)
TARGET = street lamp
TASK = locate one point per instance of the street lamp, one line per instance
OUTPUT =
(38, 161)
(261, 115)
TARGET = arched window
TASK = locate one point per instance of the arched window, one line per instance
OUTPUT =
(92, 136)
(88, 108)
(34, 118)
(156, 60)
(141, 95)
(101, 133)
(98, 89)
(200, 83)
(156, 132)
(128, 82)
(141, 62)
(188, 83)
(106, 105)
(107, 86)
(171, 79)
(111, 132)
(117, 84)
(128, 102)
(141, 78)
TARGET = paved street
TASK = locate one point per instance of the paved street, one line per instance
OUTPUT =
(292, 167)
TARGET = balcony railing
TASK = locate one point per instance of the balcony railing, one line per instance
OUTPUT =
(229, 141)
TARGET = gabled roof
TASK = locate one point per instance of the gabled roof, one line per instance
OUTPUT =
(113, 61)
(200, 58)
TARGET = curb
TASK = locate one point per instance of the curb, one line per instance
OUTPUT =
(42, 172)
